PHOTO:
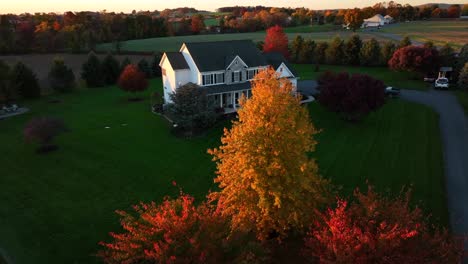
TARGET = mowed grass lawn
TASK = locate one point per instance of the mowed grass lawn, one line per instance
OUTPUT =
(55, 208)
(174, 43)
(402, 80)
(439, 32)
(463, 99)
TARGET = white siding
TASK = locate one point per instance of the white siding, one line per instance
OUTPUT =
(182, 77)
(169, 80)
(195, 76)
(284, 72)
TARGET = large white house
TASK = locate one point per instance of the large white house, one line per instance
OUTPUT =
(224, 69)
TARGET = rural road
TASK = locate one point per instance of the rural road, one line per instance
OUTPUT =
(453, 125)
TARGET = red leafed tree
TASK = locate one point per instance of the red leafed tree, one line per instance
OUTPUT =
(418, 59)
(176, 231)
(132, 80)
(57, 26)
(197, 23)
(276, 41)
(374, 229)
(454, 11)
(351, 96)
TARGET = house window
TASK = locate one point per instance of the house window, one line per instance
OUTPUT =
(219, 78)
(206, 79)
(236, 75)
(251, 74)
(212, 78)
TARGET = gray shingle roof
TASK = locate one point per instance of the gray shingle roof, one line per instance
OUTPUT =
(213, 56)
(275, 59)
(177, 60)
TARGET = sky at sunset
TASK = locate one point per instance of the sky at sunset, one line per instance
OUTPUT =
(21, 6)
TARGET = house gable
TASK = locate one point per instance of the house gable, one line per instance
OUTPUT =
(236, 63)
(284, 71)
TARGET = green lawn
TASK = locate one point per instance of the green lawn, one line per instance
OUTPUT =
(54, 208)
(398, 79)
(463, 99)
(174, 43)
(439, 32)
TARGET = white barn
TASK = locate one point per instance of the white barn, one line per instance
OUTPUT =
(223, 68)
(375, 21)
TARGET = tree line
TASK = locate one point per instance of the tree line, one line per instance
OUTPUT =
(82, 31)
(20, 82)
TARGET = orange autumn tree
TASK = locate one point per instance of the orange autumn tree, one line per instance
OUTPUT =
(263, 170)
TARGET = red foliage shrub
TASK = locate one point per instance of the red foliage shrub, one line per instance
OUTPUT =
(351, 96)
(132, 80)
(43, 130)
(375, 229)
(176, 231)
(415, 59)
(276, 41)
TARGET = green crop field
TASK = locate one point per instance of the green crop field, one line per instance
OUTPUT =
(174, 43)
(312, 28)
(439, 32)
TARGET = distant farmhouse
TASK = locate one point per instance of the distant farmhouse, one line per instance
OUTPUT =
(377, 21)
(224, 69)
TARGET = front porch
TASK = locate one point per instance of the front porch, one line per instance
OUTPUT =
(229, 101)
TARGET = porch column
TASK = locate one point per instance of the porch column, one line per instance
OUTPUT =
(233, 100)
(221, 100)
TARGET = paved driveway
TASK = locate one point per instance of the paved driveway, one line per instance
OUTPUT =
(307, 87)
(454, 131)
(453, 125)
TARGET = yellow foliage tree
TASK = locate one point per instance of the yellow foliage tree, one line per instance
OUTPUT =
(268, 184)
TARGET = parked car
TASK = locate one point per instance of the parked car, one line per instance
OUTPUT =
(441, 83)
(392, 92)
(10, 109)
